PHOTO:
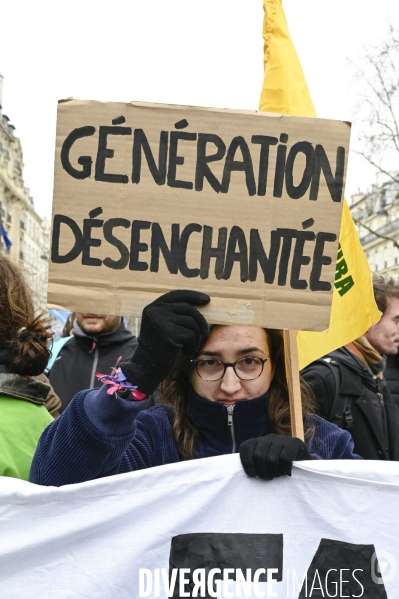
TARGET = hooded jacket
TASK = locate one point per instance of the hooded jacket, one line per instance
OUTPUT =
(101, 435)
(374, 417)
(83, 355)
(23, 418)
(391, 374)
(51, 399)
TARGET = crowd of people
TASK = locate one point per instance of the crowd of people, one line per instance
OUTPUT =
(183, 390)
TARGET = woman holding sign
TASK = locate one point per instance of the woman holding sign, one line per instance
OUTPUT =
(224, 390)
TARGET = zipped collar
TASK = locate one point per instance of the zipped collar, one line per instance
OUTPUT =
(118, 336)
(211, 419)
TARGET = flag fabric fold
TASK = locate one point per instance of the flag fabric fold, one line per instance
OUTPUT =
(285, 91)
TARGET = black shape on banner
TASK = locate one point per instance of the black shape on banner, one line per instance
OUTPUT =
(343, 570)
(226, 550)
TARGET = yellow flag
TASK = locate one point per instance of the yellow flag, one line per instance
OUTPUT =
(284, 90)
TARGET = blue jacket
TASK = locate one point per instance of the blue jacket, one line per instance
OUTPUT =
(101, 435)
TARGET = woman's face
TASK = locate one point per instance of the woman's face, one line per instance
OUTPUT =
(229, 344)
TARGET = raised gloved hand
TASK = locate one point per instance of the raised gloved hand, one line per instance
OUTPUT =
(169, 325)
(272, 456)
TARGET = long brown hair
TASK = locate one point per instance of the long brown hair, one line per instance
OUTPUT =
(23, 336)
(175, 387)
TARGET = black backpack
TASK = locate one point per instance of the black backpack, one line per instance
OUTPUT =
(341, 413)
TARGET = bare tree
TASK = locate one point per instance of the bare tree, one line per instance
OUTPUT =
(378, 107)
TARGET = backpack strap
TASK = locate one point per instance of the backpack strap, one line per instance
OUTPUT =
(340, 414)
(57, 347)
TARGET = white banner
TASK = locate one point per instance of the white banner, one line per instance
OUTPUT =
(334, 523)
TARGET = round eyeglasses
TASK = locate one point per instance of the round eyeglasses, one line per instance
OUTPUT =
(247, 369)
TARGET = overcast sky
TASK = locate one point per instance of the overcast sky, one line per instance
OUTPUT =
(207, 53)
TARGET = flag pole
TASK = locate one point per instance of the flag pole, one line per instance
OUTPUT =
(293, 383)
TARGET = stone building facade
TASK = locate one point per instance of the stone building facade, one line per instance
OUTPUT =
(28, 233)
(376, 215)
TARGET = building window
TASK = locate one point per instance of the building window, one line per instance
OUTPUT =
(21, 255)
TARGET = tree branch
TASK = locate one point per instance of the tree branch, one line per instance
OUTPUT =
(377, 166)
(359, 222)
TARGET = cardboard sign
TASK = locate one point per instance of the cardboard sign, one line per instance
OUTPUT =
(241, 205)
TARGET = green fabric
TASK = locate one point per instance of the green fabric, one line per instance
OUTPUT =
(21, 424)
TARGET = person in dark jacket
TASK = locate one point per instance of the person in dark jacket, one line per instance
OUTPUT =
(349, 386)
(225, 391)
(99, 343)
(391, 374)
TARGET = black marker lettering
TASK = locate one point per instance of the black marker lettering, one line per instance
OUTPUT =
(265, 142)
(299, 260)
(136, 246)
(309, 222)
(202, 169)
(257, 254)
(88, 241)
(237, 237)
(181, 124)
(103, 153)
(141, 143)
(175, 160)
(84, 161)
(239, 165)
(335, 183)
(288, 235)
(158, 243)
(297, 191)
(108, 229)
(319, 260)
(187, 272)
(209, 252)
(55, 246)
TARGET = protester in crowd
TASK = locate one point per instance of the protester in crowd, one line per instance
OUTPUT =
(23, 356)
(391, 374)
(231, 397)
(349, 386)
(98, 343)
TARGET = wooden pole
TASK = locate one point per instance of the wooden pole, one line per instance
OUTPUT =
(294, 388)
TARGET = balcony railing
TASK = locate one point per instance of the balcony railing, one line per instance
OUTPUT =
(388, 228)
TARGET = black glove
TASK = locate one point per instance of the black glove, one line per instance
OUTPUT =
(272, 456)
(170, 324)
